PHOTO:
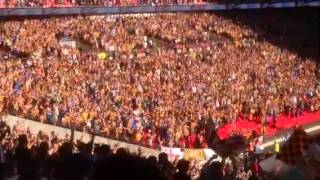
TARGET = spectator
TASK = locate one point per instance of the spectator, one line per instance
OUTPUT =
(183, 168)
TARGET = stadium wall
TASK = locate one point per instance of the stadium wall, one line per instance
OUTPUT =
(173, 153)
(197, 154)
(35, 127)
(87, 10)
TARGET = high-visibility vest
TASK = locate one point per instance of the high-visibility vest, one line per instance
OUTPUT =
(277, 147)
(102, 56)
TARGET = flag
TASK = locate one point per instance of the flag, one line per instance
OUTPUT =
(173, 153)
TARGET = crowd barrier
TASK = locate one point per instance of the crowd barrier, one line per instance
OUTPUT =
(173, 153)
(35, 127)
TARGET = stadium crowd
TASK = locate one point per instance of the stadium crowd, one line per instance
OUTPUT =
(117, 3)
(47, 155)
(157, 80)
(24, 155)
(105, 3)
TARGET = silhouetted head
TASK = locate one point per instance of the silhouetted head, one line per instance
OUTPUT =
(65, 149)
(163, 158)
(152, 159)
(23, 141)
(122, 151)
(183, 166)
(44, 147)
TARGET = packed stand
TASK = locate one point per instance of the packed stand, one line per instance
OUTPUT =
(101, 3)
(117, 3)
(158, 80)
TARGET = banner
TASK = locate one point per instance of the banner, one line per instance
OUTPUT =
(190, 154)
(173, 153)
(68, 42)
(194, 154)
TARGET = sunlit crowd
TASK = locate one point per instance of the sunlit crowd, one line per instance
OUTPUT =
(156, 80)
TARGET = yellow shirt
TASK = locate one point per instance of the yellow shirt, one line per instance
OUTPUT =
(85, 116)
(102, 56)
(138, 137)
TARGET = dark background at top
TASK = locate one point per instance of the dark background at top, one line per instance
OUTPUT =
(295, 29)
